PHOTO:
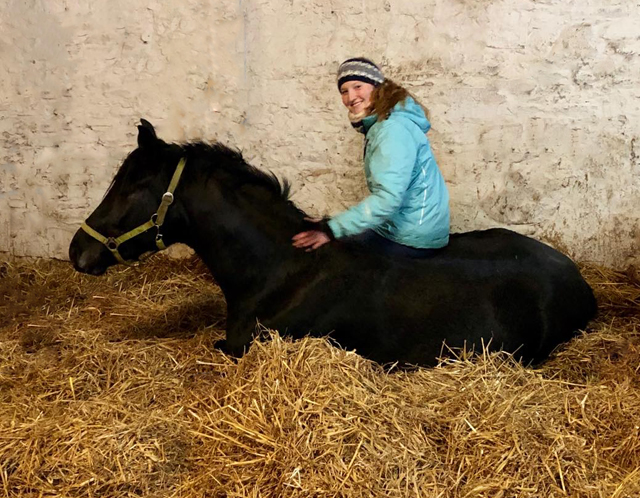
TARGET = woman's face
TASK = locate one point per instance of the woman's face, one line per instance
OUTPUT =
(356, 96)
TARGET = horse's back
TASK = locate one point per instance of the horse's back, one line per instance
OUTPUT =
(519, 291)
(564, 293)
(497, 244)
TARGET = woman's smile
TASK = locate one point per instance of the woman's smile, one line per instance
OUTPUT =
(356, 96)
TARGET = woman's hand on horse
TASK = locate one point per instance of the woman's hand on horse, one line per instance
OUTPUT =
(310, 240)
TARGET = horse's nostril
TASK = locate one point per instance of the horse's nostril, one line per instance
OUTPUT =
(85, 264)
(78, 257)
(81, 262)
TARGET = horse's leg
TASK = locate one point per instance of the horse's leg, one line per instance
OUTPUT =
(240, 332)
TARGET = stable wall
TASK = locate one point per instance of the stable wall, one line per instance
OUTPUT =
(535, 105)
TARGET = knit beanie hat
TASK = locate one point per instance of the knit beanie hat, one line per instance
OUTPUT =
(359, 69)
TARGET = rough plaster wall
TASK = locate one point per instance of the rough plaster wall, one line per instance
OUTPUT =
(76, 77)
(535, 105)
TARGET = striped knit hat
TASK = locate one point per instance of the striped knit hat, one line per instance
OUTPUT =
(359, 69)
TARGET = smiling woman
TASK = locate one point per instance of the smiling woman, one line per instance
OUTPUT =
(407, 212)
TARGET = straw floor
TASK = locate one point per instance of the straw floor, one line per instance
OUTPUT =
(110, 387)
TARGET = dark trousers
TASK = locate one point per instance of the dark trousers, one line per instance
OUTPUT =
(377, 243)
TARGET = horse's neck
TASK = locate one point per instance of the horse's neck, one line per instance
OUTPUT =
(245, 243)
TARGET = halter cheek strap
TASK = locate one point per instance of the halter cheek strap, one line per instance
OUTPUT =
(156, 221)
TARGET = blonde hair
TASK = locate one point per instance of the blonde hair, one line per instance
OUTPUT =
(385, 97)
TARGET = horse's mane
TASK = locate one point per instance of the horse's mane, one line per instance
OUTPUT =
(231, 160)
(212, 158)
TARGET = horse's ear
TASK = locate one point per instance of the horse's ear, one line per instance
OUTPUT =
(146, 134)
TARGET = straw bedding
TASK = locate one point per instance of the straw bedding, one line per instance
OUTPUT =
(111, 387)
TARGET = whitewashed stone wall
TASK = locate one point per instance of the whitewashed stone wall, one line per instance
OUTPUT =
(535, 105)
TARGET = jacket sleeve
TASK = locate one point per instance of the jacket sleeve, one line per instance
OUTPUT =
(392, 158)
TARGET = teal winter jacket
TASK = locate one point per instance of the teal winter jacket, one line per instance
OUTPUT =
(409, 201)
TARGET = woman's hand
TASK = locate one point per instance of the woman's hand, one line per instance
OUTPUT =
(310, 240)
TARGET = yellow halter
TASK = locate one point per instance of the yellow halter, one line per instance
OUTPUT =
(156, 221)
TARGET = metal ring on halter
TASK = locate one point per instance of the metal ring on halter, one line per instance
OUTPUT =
(111, 244)
(167, 198)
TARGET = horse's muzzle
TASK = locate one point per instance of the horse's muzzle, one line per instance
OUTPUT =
(89, 256)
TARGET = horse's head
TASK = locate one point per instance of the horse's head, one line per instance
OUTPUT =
(135, 217)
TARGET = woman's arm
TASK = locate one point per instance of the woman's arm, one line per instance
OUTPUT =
(393, 154)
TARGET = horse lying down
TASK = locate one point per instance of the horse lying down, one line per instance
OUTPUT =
(492, 288)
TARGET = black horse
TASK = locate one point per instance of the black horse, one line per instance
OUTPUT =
(494, 289)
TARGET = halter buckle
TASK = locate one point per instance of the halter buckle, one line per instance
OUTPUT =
(167, 198)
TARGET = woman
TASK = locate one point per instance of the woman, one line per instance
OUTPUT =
(407, 211)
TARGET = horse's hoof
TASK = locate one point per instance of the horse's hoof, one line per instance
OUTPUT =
(226, 349)
(221, 345)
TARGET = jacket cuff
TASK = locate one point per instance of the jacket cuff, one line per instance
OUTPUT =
(324, 227)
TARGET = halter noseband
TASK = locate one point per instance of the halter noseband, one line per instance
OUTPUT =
(156, 221)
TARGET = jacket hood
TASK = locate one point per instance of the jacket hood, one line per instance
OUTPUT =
(411, 110)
